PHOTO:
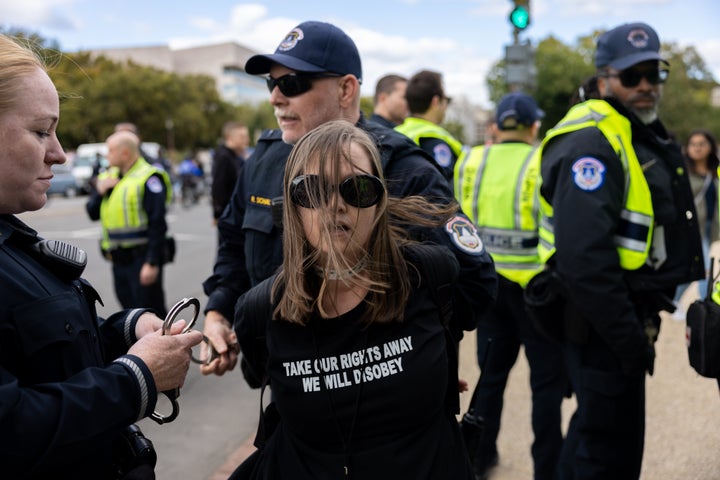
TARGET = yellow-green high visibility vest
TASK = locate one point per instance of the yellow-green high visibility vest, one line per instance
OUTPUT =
(123, 218)
(635, 230)
(496, 189)
(417, 128)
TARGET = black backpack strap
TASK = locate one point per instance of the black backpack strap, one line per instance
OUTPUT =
(258, 306)
(440, 270)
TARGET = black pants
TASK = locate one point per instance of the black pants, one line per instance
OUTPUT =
(131, 294)
(606, 435)
(509, 327)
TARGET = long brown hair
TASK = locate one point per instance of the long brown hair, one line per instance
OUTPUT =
(385, 275)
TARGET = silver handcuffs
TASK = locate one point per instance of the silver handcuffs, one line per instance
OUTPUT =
(171, 317)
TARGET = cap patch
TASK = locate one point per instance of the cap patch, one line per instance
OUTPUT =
(291, 40)
(638, 38)
(588, 173)
(464, 235)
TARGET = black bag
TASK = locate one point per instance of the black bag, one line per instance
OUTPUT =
(545, 305)
(702, 332)
(134, 455)
(169, 249)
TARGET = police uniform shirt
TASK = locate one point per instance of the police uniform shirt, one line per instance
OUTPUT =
(583, 179)
(371, 398)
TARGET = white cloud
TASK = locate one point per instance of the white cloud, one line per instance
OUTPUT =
(39, 13)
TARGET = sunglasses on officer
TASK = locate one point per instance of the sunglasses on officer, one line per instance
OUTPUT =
(359, 191)
(294, 84)
(632, 77)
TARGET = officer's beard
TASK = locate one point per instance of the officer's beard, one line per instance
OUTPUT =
(646, 115)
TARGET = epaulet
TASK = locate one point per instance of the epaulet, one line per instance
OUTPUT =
(271, 134)
(392, 144)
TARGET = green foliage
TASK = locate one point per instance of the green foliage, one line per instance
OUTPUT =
(456, 130)
(367, 105)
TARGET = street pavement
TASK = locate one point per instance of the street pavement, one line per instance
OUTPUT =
(218, 414)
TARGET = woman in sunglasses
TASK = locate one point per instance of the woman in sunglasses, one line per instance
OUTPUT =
(354, 344)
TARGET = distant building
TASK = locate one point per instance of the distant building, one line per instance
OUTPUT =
(224, 62)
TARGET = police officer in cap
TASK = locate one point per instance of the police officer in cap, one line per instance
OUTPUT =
(619, 231)
(313, 77)
(71, 383)
(495, 186)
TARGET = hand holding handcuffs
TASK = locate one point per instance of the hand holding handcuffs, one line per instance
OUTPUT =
(171, 317)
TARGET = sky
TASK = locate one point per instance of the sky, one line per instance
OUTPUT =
(462, 39)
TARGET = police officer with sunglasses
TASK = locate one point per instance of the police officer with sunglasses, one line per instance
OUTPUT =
(619, 231)
(314, 77)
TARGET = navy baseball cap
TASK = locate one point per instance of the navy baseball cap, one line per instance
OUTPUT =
(627, 45)
(312, 47)
(517, 109)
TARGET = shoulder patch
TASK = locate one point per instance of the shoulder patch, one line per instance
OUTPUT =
(154, 184)
(588, 173)
(442, 154)
(464, 235)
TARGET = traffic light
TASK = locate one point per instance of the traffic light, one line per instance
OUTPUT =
(520, 15)
(520, 70)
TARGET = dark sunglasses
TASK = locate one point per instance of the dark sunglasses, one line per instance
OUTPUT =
(294, 84)
(360, 191)
(631, 78)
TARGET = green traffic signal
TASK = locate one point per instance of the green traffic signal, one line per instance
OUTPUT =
(520, 17)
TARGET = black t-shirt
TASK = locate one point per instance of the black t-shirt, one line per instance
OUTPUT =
(371, 398)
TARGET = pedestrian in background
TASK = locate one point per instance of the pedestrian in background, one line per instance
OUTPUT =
(390, 105)
(496, 188)
(701, 159)
(314, 77)
(619, 233)
(130, 201)
(351, 283)
(71, 384)
(427, 102)
(227, 162)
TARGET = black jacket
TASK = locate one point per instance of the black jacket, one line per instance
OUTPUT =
(63, 399)
(226, 167)
(615, 302)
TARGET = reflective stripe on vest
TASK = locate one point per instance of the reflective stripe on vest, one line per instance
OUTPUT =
(417, 128)
(633, 238)
(122, 215)
(495, 187)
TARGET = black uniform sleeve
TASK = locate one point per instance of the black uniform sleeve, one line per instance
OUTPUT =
(154, 205)
(585, 222)
(442, 154)
(54, 423)
(414, 173)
